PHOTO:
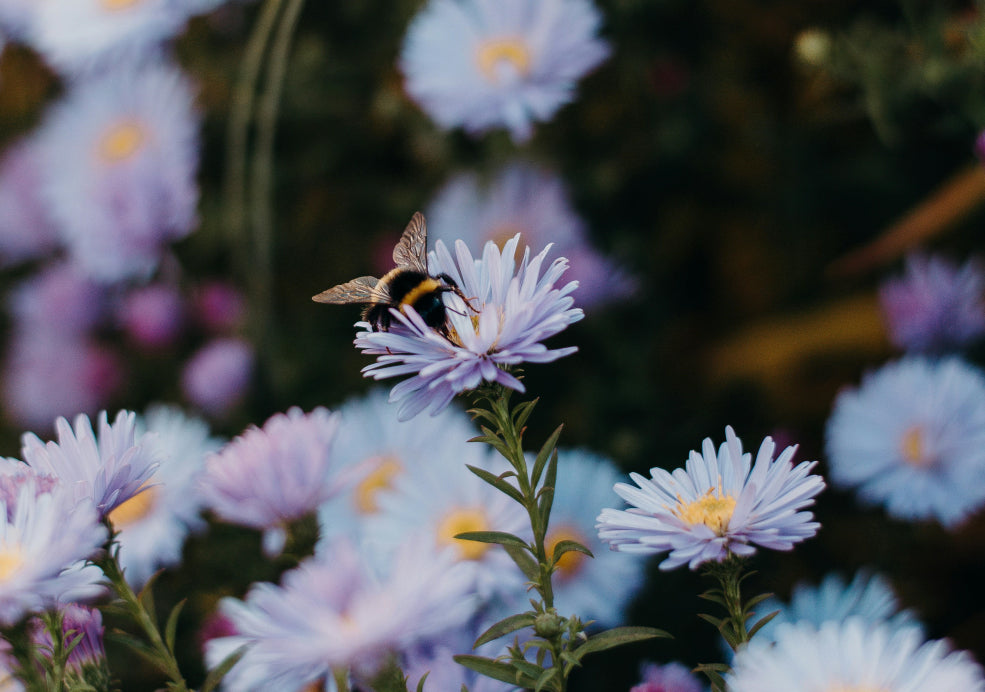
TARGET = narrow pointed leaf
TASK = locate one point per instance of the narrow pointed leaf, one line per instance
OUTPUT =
(546, 677)
(499, 537)
(498, 482)
(563, 547)
(545, 454)
(526, 563)
(504, 627)
(617, 637)
(216, 675)
(172, 624)
(756, 600)
(137, 646)
(504, 672)
(546, 500)
(764, 621)
(420, 683)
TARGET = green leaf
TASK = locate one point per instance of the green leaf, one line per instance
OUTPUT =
(544, 455)
(146, 598)
(505, 626)
(562, 547)
(617, 637)
(527, 564)
(522, 412)
(713, 671)
(172, 624)
(764, 621)
(216, 675)
(498, 482)
(546, 500)
(498, 537)
(547, 676)
(497, 670)
(137, 646)
(496, 442)
(755, 601)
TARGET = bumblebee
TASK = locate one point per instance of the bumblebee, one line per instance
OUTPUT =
(409, 283)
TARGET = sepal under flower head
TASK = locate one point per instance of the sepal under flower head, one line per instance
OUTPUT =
(718, 505)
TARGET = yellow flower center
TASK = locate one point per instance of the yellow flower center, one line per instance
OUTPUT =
(11, 560)
(134, 509)
(494, 54)
(914, 449)
(114, 5)
(459, 521)
(380, 478)
(571, 562)
(121, 142)
(713, 509)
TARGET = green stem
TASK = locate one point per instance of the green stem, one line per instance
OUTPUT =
(166, 661)
(341, 676)
(730, 574)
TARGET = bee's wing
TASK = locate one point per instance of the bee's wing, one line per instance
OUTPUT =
(412, 250)
(360, 290)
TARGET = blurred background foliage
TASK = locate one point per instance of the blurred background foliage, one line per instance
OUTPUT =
(737, 157)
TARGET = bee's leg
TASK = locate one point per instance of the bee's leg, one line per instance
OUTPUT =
(453, 287)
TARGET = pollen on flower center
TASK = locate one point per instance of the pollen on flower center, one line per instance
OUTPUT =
(11, 560)
(380, 478)
(711, 509)
(571, 562)
(134, 509)
(913, 447)
(122, 141)
(509, 52)
(459, 521)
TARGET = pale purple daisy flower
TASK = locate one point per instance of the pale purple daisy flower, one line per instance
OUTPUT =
(718, 505)
(84, 35)
(912, 438)
(26, 232)
(668, 677)
(339, 612)
(120, 158)
(851, 655)
(105, 469)
(59, 300)
(153, 316)
(219, 307)
(46, 376)
(42, 549)
(513, 309)
(869, 597)
(153, 525)
(17, 18)
(534, 202)
(80, 622)
(270, 476)
(217, 377)
(935, 305)
(485, 64)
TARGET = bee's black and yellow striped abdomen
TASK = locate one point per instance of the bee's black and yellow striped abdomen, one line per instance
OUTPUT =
(409, 287)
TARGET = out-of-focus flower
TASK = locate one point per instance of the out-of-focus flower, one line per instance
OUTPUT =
(669, 677)
(153, 316)
(376, 450)
(868, 597)
(935, 305)
(26, 232)
(912, 438)
(83, 623)
(81, 35)
(17, 17)
(718, 505)
(270, 476)
(42, 549)
(153, 524)
(513, 310)
(338, 612)
(47, 376)
(106, 470)
(851, 655)
(58, 301)
(533, 202)
(217, 377)
(441, 498)
(444, 672)
(120, 152)
(485, 64)
(8, 665)
(220, 307)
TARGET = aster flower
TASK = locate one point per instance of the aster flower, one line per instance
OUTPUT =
(935, 305)
(119, 155)
(534, 202)
(81, 35)
(851, 655)
(107, 469)
(26, 232)
(153, 316)
(152, 525)
(513, 309)
(484, 64)
(337, 612)
(669, 677)
(912, 438)
(43, 547)
(270, 476)
(59, 301)
(217, 376)
(868, 597)
(718, 505)
(83, 623)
